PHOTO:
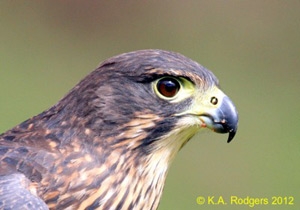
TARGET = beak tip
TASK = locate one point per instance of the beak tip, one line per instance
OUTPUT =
(231, 135)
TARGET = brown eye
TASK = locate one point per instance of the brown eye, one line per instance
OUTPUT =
(214, 100)
(168, 87)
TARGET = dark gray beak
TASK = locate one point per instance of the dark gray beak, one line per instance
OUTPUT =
(223, 119)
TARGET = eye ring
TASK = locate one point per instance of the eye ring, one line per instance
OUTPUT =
(168, 87)
(214, 100)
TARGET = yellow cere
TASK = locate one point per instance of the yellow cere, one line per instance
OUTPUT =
(202, 101)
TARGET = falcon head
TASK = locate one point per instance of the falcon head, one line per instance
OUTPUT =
(110, 141)
(141, 99)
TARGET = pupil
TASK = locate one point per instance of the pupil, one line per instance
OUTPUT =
(168, 87)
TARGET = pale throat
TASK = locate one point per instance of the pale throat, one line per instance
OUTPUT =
(161, 158)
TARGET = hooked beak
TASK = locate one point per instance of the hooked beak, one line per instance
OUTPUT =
(222, 119)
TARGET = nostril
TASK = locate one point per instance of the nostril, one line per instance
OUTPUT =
(214, 100)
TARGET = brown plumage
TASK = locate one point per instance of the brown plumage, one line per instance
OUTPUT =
(109, 142)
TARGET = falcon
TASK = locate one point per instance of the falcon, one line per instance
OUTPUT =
(109, 143)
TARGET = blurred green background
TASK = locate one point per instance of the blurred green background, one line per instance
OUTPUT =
(253, 47)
